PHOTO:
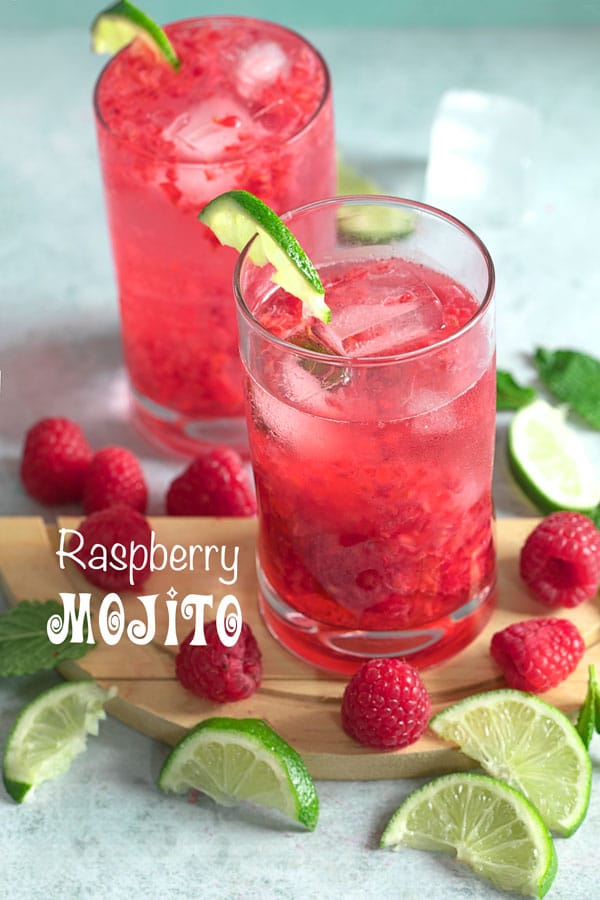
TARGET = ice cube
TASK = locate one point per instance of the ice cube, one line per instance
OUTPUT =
(208, 129)
(385, 327)
(481, 158)
(258, 66)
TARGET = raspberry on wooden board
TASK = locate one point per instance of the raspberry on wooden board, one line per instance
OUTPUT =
(219, 673)
(537, 654)
(117, 524)
(386, 704)
(560, 560)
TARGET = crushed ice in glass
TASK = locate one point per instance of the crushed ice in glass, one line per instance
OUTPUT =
(395, 316)
(258, 66)
(204, 132)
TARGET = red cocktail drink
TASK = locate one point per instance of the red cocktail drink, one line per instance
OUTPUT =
(372, 438)
(250, 107)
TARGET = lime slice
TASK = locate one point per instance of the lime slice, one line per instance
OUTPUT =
(49, 733)
(238, 216)
(117, 26)
(549, 461)
(482, 822)
(365, 223)
(530, 745)
(233, 760)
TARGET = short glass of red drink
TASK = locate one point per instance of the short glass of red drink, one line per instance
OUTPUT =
(250, 107)
(372, 437)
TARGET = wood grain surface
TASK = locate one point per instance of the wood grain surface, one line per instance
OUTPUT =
(300, 702)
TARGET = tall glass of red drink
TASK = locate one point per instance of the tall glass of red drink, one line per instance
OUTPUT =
(372, 436)
(250, 107)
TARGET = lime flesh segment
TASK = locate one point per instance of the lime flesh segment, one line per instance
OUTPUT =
(121, 23)
(529, 744)
(49, 733)
(549, 461)
(235, 760)
(485, 824)
(237, 217)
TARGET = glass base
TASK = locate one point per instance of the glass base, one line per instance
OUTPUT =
(343, 651)
(169, 429)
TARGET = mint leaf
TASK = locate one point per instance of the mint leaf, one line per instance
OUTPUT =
(587, 721)
(594, 515)
(509, 394)
(574, 378)
(24, 644)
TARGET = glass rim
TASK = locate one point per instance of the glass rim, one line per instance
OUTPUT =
(350, 361)
(234, 161)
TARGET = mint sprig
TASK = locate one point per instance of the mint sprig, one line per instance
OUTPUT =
(574, 378)
(24, 644)
(588, 719)
(510, 394)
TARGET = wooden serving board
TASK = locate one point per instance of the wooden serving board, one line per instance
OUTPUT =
(300, 702)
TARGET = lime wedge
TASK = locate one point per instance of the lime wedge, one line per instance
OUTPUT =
(49, 733)
(482, 822)
(530, 745)
(238, 216)
(549, 461)
(234, 760)
(366, 223)
(118, 25)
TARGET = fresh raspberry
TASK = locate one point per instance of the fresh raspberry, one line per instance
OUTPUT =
(218, 672)
(55, 459)
(116, 540)
(385, 704)
(560, 560)
(214, 484)
(537, 654)
(114, 476)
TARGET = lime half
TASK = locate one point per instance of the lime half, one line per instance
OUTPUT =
(117, 26)
(50, 732)
(527, 743)
(482, 822)
(238, 216)
(234, 760)
(549, 461)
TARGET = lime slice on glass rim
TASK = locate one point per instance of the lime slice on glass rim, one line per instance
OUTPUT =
(235, 760)
(50, 732)
(236, 217)
(549, 461)
(118, 25)
(527, 743)
(482, 822)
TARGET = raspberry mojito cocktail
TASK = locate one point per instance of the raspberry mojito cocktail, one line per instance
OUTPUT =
(372, 436)
(249, 107)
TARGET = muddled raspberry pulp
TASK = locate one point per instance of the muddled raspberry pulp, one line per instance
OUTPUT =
(170, 142)
(374, 480)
